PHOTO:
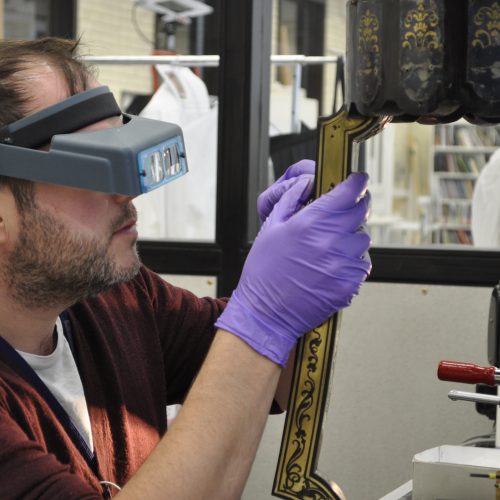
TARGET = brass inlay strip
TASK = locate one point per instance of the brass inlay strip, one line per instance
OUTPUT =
(296, 475)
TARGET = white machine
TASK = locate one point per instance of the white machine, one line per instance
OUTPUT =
(176, 11)
(470, 471)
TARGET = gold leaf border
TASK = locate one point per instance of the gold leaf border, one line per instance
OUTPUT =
(296, 475)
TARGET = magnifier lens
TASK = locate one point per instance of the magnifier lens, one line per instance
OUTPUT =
(161, 163)
(175, 160)
(156, 167)
(167, 160)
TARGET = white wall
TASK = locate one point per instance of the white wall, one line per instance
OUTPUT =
(335, 33)
(1, 17)
(387, 402)
(107, 28)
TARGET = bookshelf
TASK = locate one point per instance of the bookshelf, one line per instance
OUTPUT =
(459, 153)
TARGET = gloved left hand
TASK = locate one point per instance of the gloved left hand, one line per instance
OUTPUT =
(302, 171)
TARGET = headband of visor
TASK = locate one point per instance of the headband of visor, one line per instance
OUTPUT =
(131, 159)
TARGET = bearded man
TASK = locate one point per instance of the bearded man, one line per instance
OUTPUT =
(94, 346)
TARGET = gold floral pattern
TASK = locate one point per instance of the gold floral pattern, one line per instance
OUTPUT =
(369, 31)
(421, 24)
(368, 41)
(487, 20)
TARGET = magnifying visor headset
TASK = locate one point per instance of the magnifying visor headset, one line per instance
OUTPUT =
(134, 158)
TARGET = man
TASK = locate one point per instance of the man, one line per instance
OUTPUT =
(93, 345)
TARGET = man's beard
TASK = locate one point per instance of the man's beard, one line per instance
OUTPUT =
(50, 267)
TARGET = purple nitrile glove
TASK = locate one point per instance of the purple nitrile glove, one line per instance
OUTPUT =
(303, 169)
(304, 266)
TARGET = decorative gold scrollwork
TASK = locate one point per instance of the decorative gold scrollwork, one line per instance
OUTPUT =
(296, 475)
(368, 42)
(421, 24)
(295, 468)
(487, 19)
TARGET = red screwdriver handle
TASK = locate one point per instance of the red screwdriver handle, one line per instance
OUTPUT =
(467, 373)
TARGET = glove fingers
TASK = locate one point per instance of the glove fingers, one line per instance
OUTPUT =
(269, 198)
(353, 245)
(347, 279)
(342, 288)
(292, 199)
(346, 194)
(334, 246)
(352, 269)
(353, 219)
(323, 219)
(366, 256)
(299, 168)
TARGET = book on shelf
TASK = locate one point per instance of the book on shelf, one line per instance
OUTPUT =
(459, 236)
(464, 163)
(476, 163)
(456, 188)
(463, 151)
(464, 237)
(451, 163)
(466, 135)
(458, 214)
(463, 137)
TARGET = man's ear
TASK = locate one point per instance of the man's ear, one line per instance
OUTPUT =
(3, 231)
(9, 216)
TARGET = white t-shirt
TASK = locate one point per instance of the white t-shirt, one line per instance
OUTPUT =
(59, 373)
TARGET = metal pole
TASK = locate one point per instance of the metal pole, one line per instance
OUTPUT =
(204, 60)
(243, 128)
(297, 80)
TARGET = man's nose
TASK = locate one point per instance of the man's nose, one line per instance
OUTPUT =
(122, 199)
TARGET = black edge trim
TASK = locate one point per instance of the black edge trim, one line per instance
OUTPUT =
(391, 265)
(435, 266)
(198, 259)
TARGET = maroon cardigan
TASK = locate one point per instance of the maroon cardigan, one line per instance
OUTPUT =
(138, 347)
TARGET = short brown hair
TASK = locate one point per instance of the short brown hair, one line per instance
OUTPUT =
(18, 55)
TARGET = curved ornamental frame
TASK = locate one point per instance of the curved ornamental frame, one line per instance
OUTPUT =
(403, 60)
(296, 475)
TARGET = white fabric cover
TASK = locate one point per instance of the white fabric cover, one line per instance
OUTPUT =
(185, 208)
(486, 205)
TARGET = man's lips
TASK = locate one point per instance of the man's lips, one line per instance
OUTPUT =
(126, 226)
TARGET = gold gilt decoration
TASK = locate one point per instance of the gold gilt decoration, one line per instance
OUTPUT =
(421, 24)
(487, 21)
(369, 42)
(296, 476)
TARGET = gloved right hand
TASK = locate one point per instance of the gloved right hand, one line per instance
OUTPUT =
(304, 266)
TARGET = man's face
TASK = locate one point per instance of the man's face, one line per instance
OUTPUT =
(58, 260)
(72, 243)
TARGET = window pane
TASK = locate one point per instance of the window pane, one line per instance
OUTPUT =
(434, 185)
(430, 185)
(185, 209)
(202, 286)
(26, 18)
